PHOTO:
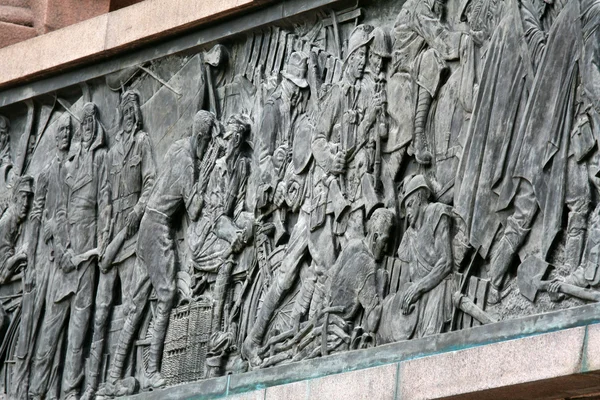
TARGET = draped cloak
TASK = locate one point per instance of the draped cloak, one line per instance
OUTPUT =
(484, 183)
(571, 59)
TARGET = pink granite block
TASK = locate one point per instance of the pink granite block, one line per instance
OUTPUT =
(378, 383)
(513, 362)
(290, 391)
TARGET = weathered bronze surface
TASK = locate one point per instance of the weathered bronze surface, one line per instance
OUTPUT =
(344, 178)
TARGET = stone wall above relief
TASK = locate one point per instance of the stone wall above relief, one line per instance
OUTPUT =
(335, 181)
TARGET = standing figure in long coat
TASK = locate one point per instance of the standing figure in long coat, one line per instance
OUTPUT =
(82, 219)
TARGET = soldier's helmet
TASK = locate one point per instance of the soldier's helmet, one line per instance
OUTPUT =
(415, 183)
(381, 44)
(360, 36)
(296, 69)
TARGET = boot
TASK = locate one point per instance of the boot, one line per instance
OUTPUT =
(317, 301)
(573, 250)
(302, 303)
(157, 341)
(420, 144)
(93, 369)
(89, 394)
(576, 230)
(125, 338)
(500, 263)
(254, 339)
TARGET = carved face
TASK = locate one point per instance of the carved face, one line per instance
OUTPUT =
(439, 8)
(202, 145)
(129, 117)
(413, 207)
(380, 242)
(295, 95)
(22, 205)
(63, 137)
(3, 134)
(88, 125)
(376, 62)
(234, 132)
(357, 62)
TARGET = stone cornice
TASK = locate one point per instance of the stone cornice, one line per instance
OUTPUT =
(110, 34)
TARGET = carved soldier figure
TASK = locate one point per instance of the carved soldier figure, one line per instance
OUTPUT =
(177, 185)
(224, 227)
(547, 168)
(82, 219)
(484, 181)
(426, 252)
(5, 156)
(46, 201)
(379, 57)
(356, 280)
(352, 304)
(132, 172)
(340, 140)
(318, 240)
(11, 259)
(5, 162)
(281, 113)
(11, 221)
(421, 48)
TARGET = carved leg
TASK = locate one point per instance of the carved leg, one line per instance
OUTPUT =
(420, 144)
(104, 298)
(159, 331)
(156, 251)
(220, 294)
(51, 329)
(574, 245)
(81, 312)
(518, 226)
(578, 198)
(284, 280)
(317, 301)
(302, 304)
(138, 294)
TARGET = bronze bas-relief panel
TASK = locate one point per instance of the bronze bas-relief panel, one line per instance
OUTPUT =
(363, 176)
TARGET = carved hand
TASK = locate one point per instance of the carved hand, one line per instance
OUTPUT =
(411, 295)
(351, 117)
(133, 223)
(239, 242)
(554, 286)
(280, 192)
(29, 280)
(48, 230)
(339, 163)
(16, 261)
(279, 156)
(66, 262)
(478, 37)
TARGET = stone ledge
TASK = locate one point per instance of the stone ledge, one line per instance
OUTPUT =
(538, 357)
(108, 34)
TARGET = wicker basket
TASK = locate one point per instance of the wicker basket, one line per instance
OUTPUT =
(186, 343)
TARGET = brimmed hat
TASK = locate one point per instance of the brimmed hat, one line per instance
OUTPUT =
(129, 96)
(242, 120)
(89, 109)
(381, 44)
(360, 36)
(415, 183)
(296, 68)
(24, 184)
